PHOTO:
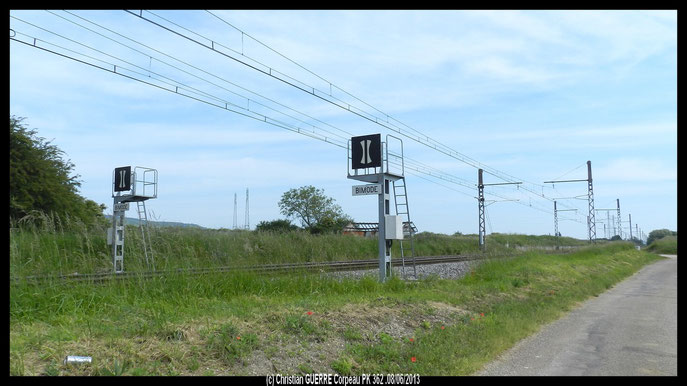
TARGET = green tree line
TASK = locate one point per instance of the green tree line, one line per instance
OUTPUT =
(42, 182)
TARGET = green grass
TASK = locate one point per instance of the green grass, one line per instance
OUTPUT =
(666, 245)
(57, 248)
(190, 325)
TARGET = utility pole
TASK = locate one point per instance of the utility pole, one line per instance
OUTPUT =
(591, 222)
(613, 222)
(555, 217)
(480, 202)
(234, 225)
(608, 225)
(246, 221)
(639, 234)
(620, 226)
(555, 220)
(590, 195)
(630, 216)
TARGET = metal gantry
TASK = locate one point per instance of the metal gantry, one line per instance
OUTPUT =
(609, 221)
(591, 219)
(555, 218)
(481, 206)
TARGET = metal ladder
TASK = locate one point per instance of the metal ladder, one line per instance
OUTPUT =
(402, 209)
(145, 233)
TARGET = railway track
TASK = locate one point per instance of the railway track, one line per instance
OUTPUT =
(351, 265)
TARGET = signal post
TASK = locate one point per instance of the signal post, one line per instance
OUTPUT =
(368, 161)
(128, 186)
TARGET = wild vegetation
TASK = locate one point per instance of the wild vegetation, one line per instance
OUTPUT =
(58, 247)
(658, 234)
(41, 181)
(664, 245)
(247, 324)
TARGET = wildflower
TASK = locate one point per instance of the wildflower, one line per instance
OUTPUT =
(238, 338)
(309, 312)
(442, 327)
(411, 339)
(412, 359)
(481, 314)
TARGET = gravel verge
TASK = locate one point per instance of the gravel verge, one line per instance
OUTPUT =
(454, 270)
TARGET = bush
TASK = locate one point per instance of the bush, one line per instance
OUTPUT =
(279, 226)
(659, 234)
(667, 245)
(41, 181)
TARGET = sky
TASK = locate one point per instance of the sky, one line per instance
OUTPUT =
(223, 101)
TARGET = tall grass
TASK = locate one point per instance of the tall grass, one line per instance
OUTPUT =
(54, 246)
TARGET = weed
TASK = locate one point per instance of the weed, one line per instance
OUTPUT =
(227, 343)
(385, 338)
(118, 369)
(172, 334)
(51, 370)
(303, 326)
(138, 372)
(16, 364)
(305, 368)
(343, 365)
(352, 334)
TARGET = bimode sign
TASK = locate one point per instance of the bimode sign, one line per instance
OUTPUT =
(363, 190)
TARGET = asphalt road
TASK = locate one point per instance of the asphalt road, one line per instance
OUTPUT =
(629, 330)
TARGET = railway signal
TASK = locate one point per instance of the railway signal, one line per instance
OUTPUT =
(128, 186)
(368, 162)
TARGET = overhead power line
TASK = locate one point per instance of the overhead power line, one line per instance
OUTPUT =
(179, 88)
(416, 165)
(146, 76)
(385, 120)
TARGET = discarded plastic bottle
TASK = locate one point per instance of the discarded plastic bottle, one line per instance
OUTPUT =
(76, 359)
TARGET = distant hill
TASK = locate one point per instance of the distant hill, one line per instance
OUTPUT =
(134, 221)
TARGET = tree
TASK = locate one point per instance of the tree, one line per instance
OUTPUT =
(40, 180)
(659, 234)
(280, 226)
(316, 212)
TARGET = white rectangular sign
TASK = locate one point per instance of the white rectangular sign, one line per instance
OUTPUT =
(120, 206)
(363, 190)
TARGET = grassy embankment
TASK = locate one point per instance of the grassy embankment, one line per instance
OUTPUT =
(57, 249)
(226, 324)
(666, 245)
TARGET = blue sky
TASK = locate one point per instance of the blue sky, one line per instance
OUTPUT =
(531, 94)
